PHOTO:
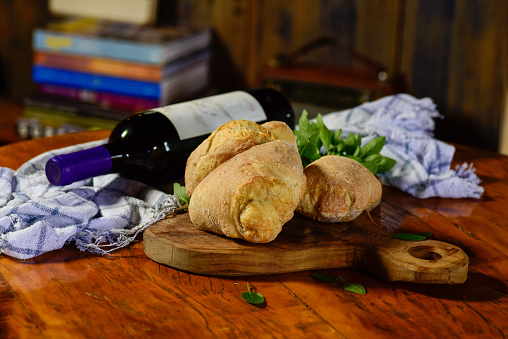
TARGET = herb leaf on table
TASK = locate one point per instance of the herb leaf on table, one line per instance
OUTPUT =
(348, 286)
(252, 297)
(411, 236)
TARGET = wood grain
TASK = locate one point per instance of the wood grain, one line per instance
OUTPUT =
(454, 52)
(73, 294)
(450, 51)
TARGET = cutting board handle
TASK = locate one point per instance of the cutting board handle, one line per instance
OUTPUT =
(427, 261)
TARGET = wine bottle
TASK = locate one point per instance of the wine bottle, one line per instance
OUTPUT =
(153, 146)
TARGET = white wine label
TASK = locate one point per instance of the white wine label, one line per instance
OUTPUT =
(203, 116)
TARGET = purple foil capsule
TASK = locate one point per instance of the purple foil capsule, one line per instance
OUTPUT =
(65, 169)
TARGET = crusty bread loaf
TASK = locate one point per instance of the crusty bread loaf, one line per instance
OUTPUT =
(252, 195)
(338, 189)
(224, 143)
(281, 130)
(227, 141)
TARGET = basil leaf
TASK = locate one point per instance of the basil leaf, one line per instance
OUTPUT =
(308, 147)
(351, 287)
(411, 236)
(426, 234)
(374, 158)
(349, 144)
(180, 194)
(357, 151)
(358, 140)
(326, 277)
(354, 287)
(304, 123)
(325, 134)
(386, 164)
(251, 297)
(311, 137)
(372, 167)
(354, 157)
(373, 147)
(337, 137)
(383, 163)
(308, 140)
(340, 148)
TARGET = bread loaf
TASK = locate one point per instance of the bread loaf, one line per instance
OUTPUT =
(281, 131)
(338, 189)
(252, 195)
(227, 141)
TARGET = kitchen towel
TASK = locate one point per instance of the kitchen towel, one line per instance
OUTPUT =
(98, 215)
(423, 167)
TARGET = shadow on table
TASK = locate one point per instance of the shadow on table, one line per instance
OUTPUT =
(478, 287)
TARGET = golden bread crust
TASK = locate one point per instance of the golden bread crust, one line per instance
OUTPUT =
(282, 131)
(338, 190)
(252, 195)
(224, 143)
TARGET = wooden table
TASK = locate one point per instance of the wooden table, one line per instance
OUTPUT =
(68, 293)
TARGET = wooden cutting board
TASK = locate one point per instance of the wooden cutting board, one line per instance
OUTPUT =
(305, 244)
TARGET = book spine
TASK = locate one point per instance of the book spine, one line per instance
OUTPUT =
(101, 99)
(101, 66)
(46, 40)
(54, 76)
(189, 44)
(188, 82)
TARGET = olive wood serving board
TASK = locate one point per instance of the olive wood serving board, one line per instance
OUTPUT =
(305, 244)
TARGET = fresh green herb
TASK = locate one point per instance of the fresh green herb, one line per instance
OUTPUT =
(351, 287)
(411, 236)
(312, 137)
(180, 194)
(251, 297)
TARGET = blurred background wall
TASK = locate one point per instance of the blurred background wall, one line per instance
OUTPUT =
(453, 51)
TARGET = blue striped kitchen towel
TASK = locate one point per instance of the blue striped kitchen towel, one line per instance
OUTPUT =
(423, 167)
(99, 214)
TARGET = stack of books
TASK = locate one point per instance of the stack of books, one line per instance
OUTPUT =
(91, 73)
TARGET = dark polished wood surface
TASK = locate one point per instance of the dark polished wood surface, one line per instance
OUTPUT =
(68, 293)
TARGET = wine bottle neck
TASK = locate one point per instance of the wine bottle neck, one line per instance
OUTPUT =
(68, 168)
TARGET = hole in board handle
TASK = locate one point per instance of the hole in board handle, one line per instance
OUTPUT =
(425, 252)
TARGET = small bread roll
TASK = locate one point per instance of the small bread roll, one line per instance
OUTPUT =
(338, 190)
(282, 131)
(252, 195)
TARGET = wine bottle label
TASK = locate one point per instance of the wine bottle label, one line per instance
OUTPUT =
(203, 116)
